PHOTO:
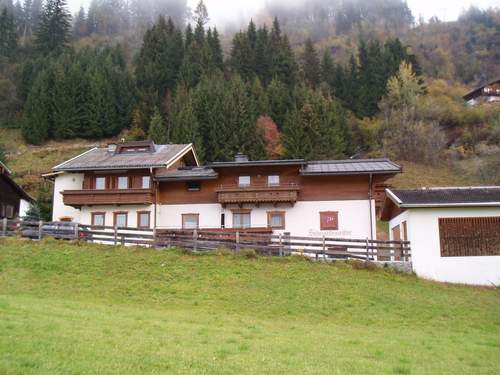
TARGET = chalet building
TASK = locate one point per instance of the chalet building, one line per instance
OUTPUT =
(140, 184)
(454, 232)
(484, 94)
(14, 201)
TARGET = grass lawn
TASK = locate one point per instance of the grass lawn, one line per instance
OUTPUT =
(89, 309)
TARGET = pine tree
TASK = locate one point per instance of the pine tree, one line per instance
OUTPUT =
(157, 129)
(310, 64)
(80, 25)
(284, 66)
(200, 19)
(328, 70)
(37, 114)
(185, 127)
(54, 29)
(263, 57)
(242, 56)
(280, 102)
(216, 50)
(160, 59)
(8, 37)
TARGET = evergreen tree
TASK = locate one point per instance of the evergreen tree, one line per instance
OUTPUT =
(8, 37)
(280, 102)
(241, 56)
(311, 65)
(216, 50)
(200, 19)
(157, 129)
(185, 127)
(80, 25)
(284, 66)
(38, 110)
(54, 29)
(263, 57)
(160, 59)
(328, 70)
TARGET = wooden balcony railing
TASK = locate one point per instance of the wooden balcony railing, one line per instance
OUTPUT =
(258, 193)
(78, 198)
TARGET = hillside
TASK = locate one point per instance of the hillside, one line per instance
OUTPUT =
(95, 309)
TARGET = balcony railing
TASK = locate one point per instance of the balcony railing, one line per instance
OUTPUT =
(284, 192)
(78, 198)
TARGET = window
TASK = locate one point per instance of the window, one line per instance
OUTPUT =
(190, 221)
(193, 185)
(100, 183)
(241, 219)
(123, 182)
(469, 236)
(244, 181)
(273, 180)
(146, 182)
(143, 219)
(329, 220)
(120, 219)
(276, 219)
(98, 219)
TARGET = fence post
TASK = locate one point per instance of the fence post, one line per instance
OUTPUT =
(76, 233)
(4, 226)
(115, 229)
(324, 248)
(195, 240)
(40, 229)
(237, 241)
(367, 250)
(154, 238)
(281, 244)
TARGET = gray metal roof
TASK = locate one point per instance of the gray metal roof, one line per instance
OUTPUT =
(256, 163)
(101, 158)
(351, 166)
(455, 196)
(188, 174)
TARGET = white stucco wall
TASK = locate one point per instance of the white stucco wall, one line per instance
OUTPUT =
(66, 181)
(302, 219)
(24, 206)
(423, 233)
(86, 214)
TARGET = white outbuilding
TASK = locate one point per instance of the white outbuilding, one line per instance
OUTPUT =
(454, 232)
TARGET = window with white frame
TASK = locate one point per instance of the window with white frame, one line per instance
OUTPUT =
(190, 221)
(100, 183)
(273, 180)
(98, 219)
(146, 182)
(241, 219)
(123, 182)
(121, 219)
(244, 181)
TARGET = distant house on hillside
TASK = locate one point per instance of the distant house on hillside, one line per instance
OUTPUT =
(454, 232)
(14, 201)
(144, 185)
(486, 93)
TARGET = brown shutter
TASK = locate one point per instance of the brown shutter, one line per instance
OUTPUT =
(87, 182)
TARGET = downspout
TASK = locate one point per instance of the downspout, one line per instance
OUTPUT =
(370, 196)
(156, 196)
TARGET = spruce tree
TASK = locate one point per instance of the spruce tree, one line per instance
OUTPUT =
(216, 50)
(185, 127)
(157, 129)
(242, 56)
(280, 102)
(8, 37)
(311, 65)
(54, 29)
(80, 25)
(263, 57)
(160, 59)
(328, 70)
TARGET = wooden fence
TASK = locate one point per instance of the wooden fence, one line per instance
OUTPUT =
(283, 244)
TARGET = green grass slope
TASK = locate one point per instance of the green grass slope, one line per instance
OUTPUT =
(88, 309)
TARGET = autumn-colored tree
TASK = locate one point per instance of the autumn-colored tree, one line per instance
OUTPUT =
(271, 136)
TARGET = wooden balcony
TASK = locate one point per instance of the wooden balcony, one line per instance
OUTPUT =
(78, 198)
(282, 193)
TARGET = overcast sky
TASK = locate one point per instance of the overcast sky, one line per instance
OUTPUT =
(221, 11)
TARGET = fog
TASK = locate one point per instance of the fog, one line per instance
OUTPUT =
(224, 12)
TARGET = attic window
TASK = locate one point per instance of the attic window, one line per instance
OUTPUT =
(135, 149)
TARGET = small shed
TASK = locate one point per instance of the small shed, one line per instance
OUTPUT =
(454, 231)
(14, 201)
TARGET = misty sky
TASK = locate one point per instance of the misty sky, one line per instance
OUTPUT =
(223, 11)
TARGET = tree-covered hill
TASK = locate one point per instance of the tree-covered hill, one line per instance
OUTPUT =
(322, 79)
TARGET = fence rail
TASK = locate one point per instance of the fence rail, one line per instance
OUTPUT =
(264, 243)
